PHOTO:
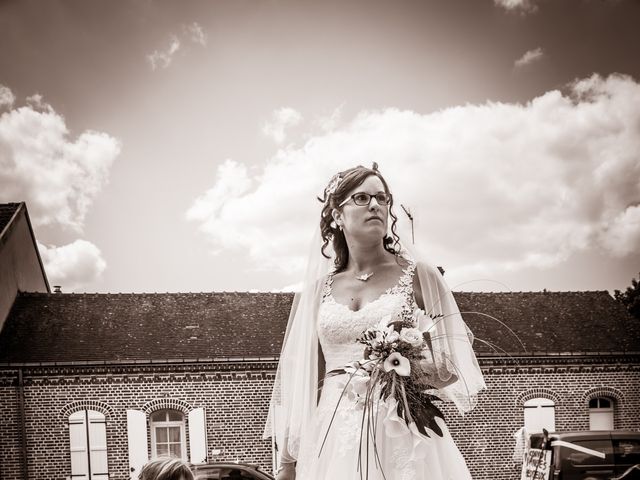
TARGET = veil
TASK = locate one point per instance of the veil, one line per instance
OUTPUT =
(296, 393)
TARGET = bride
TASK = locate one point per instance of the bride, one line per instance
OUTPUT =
(360, 276)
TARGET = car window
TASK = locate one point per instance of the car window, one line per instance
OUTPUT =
(627, 451)
(579, 459)
(209, 474)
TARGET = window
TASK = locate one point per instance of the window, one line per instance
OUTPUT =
(167, 428)
(168, 434)
(88, 445)
(626, 453)
(539, 413)
(578, 464)
(601, 414)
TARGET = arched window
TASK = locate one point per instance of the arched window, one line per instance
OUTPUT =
(539, 413)
(168, 434)
(88, 445)
(601, 413)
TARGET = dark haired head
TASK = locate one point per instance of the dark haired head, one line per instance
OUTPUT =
(334, 194)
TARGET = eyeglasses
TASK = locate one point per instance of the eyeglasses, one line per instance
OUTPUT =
(361, 199)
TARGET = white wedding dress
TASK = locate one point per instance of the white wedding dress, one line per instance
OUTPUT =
(336, 457)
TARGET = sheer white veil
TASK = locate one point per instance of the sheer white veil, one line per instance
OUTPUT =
(295, 392)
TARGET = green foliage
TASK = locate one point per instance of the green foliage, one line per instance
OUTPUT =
(630, 298)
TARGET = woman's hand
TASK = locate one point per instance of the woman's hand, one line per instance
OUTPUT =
(287, 471)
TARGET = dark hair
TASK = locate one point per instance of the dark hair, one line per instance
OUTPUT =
(350, 179)
(166, 468)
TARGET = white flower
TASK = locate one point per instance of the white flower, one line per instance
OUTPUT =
(391, 335)
(412, 336)
(360, 384)
(397, 362)
(423, 321)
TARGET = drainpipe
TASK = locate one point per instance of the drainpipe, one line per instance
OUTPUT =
(23, 425)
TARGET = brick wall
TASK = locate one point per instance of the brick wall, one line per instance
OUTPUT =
(485, 436)
(235, 399)
(235, 404)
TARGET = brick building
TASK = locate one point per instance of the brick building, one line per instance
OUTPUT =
(100, 382)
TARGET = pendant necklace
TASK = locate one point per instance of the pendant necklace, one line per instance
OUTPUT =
(364, 277)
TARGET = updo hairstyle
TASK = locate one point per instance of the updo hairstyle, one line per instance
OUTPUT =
(349, 180)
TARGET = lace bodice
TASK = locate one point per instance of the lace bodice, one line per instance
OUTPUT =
(339, 326)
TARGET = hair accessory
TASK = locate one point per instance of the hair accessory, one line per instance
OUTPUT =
(333, 184)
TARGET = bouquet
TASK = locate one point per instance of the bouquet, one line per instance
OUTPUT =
(398, 371)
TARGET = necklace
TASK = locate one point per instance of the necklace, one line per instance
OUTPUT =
(364, 277)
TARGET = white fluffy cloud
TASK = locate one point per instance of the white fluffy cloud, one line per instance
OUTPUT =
(514, 185)
(6, 97)
(72, 266)
(521, 6)
(56, 175)
(281, 120)
(529, 57)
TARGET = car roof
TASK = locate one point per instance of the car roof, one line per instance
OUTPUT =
(202, 466)
(590, 434)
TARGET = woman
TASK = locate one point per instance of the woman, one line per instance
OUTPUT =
(316, 412)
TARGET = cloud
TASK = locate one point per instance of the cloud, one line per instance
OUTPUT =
(73, 265)
(529, 57)
(163, 58)
(281, 119)
(495, 187)
(56, 175)
(6, 97)
(196, 34)
(192, 33)
(521, 6)
(329, 123)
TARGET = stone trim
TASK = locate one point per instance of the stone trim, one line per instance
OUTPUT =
(166, 404)
(537, 393)
(595, 392)
(76, 406)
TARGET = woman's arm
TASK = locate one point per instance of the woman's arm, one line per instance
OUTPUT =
(435, 380)
(287, 471)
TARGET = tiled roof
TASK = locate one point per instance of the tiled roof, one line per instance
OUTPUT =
(552, 321)
(7, 210)
(107, 327)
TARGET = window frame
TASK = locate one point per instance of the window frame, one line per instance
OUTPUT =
(610, 411)
(167, 424)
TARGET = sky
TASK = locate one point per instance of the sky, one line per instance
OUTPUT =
(179, 146)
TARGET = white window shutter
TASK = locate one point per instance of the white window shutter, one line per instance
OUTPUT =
(137, 439)
(197, 436)
(78, 445)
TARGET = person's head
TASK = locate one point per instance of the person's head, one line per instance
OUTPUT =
(166, 469)
(358, 207)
